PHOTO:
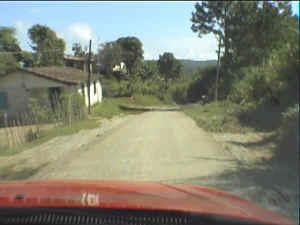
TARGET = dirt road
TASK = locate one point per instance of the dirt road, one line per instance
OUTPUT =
(154, 146)
(166, 147)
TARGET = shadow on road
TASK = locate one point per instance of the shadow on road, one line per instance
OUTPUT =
(147, 109)
(271, 183)
(9, 173)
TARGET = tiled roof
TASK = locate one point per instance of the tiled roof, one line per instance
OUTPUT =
(66, 75)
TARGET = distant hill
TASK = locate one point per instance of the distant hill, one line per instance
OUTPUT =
(193, 65)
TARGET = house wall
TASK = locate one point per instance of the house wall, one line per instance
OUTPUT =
(95, 97)
(18, 86)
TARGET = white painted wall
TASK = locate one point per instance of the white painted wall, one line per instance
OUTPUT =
(95, 96)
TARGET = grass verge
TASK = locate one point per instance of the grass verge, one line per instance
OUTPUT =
(281, 124)
(217, 117)
(46, 135)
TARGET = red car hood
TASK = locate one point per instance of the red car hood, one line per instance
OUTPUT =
(132, 195)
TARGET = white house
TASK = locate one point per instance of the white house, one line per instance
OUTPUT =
(120, 68)
(18, 86)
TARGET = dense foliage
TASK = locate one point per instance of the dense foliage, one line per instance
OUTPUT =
(48, 47)
(9, 50)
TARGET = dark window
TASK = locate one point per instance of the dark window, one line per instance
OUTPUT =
(3, 100)
(95, 89)
(54, 96)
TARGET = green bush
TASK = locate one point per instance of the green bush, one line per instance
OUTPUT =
(179, 92)
(68, 107)
(40, 113)
(203, 85)
(217, 117)
(289, 130)
(110, 87)
(251, 88)
(71, 107)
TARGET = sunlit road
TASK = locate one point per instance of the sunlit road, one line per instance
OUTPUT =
(154, 146)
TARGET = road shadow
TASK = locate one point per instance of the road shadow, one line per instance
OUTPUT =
(272, 183)
(275, 189)
(9, 173)
(285, 149)
(146, 109)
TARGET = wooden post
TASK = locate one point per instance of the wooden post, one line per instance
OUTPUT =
(89, 78)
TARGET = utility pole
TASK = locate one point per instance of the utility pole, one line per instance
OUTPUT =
(89, 78)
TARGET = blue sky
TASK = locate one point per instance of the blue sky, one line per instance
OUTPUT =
(161, 26)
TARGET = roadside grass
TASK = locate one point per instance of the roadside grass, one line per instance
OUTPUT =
(110, 107)
(279, 125)
(218, 117)
(46, 135)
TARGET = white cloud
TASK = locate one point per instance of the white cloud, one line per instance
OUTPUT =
(81, 31)
(21, 33)
(20, 27)
(78, 32)
(191, 47)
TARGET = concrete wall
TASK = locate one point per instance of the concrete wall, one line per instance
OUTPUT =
(18, 86)
(95, 96)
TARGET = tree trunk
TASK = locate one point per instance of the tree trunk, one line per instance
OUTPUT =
(218, 72)
(226, 34)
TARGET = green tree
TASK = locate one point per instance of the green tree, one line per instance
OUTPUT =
(214, 17)
(9, 50)
(169, 66)
(261, 25)
(8, 40)
(109, 55)
(77, 49)
(149, 69)
(48, 47)
(132, 51)
(28, 59)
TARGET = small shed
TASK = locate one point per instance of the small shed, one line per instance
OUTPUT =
(17, 87)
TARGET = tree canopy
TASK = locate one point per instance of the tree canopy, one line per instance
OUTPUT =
(48, 47)
(213, 17)
(169, 66)
(132, 51)
(10, 51)
(77, 49)
(109, 55)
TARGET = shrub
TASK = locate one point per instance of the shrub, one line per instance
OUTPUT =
(288, 130)
(179, 92)
(68, 107)
(203, 85)
(40, 113)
